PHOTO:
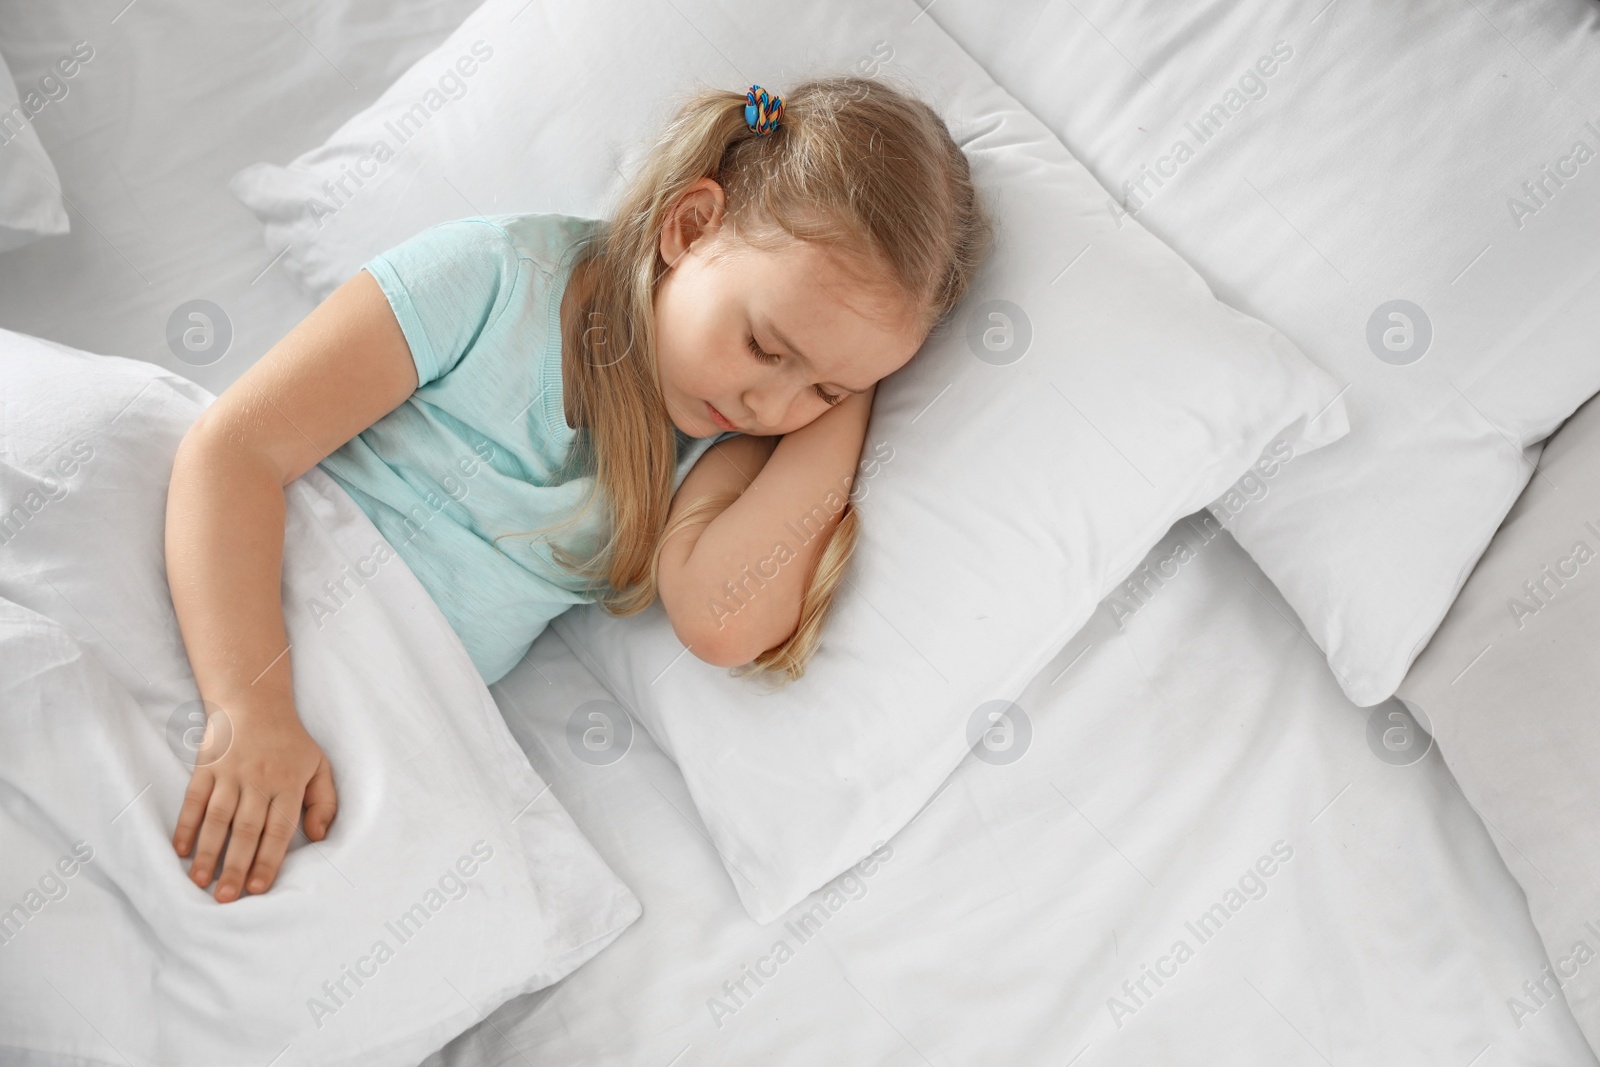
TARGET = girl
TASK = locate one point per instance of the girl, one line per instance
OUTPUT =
(704, 362)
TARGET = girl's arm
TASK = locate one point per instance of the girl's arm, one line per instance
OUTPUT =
(340, 370)
(732, 582)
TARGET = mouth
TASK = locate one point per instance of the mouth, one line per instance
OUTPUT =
(719, 418)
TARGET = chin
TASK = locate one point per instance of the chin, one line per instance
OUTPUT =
(695, 429)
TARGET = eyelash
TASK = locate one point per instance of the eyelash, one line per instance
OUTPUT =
(769, 358)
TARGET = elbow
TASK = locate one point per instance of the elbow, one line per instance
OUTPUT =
(720, 647)
(190, 443)
(713, 632)
(201, 443)
(202, 427)
(721, 642)
(712, 636)
(730, 645)
(188, 463)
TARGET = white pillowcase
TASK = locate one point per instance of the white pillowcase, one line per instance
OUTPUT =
(111, 954)
(1004, 490)
(1363, 153)
(1507, 688)
(30, 189)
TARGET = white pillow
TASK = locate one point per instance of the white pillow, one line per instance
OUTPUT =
(30, 189)
(1361, 153)
(1004, 489)
(1507, 687)
(438, 807)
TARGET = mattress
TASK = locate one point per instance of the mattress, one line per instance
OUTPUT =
(1034, 911)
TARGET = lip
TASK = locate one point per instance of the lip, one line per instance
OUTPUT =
(720, 419)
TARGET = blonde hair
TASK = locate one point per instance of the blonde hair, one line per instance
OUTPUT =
(855, 164)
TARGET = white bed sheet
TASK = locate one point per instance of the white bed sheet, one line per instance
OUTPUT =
(450, 870)
(1167, 757)
(1017, 904)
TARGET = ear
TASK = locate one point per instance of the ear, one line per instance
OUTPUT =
(696, 216)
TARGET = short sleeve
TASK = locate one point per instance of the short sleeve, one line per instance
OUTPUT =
(447, 285)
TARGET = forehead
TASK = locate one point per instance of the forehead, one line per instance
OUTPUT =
(810, 290)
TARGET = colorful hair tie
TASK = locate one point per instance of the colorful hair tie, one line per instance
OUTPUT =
(762, 110)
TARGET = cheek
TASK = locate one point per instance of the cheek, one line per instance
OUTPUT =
(687, 344)
(682, 360)
(702, 364)
(675, 338)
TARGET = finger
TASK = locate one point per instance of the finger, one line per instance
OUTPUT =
(322, 802)
(194, 807)
(274, 842)
(247, 824)
(213, 828)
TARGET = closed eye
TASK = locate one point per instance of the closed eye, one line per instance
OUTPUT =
(770, 358)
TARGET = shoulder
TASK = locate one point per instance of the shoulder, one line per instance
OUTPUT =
(541, 238)
(501, 244)
(459, 257)
(479, 233)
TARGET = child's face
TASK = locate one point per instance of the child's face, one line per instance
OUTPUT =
(798, 303)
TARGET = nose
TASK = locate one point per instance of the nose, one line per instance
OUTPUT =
(772, 398)
(764, 412)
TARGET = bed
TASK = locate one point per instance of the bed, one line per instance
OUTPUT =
(1192, 750)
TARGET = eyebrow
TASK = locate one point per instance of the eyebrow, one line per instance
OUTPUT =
(790, 345)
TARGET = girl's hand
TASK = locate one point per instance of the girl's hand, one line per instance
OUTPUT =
(338, 372)
(255, 769)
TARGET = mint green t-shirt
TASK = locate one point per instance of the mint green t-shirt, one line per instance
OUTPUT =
(478, 450)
